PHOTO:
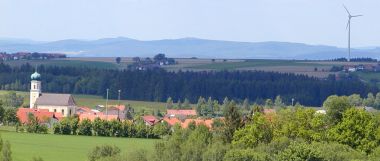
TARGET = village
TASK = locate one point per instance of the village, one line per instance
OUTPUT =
(29, 56)
(50, 108)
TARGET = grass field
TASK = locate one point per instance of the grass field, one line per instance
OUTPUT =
(253, 63)
(91, 101)
(305, 67)
(51, 147)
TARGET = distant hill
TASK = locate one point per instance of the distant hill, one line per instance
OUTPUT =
(183, 48)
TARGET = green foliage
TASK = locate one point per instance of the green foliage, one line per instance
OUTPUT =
(219, 84)
(10, 116)
(335, 107)
(137, 155)
(33, 125)
(11, 99)
(65, 126)
(370, 100)
(300, 151)
(116, 128)
(161, 129)
(289, 134)
(169, 103)
(201, 106)
(257, 109)
(179, 104)
(300, 123)
(2, 111)
(6, 152)
(278, 102)
(355, 100)
(338, 152)
(215, 151)
(85, 127)
(259, 131)
(188, 145)
(246, 105)
(245, 155)
(232, 122)
(103, 151)
(358, 129)
(375, 155)
(195, 145)
(269, 103)
(186, 104)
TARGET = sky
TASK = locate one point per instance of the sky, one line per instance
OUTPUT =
(318, 22)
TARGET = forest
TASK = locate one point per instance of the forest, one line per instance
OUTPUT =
(159, 85)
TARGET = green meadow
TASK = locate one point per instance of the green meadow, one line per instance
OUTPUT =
(51, 147)
(91, 101)
(254, 63)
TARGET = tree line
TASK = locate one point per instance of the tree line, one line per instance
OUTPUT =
(158, 85)
(112, 128)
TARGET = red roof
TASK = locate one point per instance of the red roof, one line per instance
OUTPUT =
(182, 112)
(172, 121)
(151, 120)
(116, 107)
(208, 122)
(81, 110)
(185, 124)
(93, 115)
(41, 114)
(268, 110)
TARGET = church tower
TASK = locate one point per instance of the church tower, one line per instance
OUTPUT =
(35, 88)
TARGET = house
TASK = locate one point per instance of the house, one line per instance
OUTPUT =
(185, 124)
(150, 120)
(42, 115)
(172, 121)
(93, 115)
(349, 68)
(176, 113)
(81, 110)
(268, 111)
(320, 112)
(118, 110)
(206, 122)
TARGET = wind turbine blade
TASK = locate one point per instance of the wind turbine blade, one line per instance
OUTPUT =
(348, 23)
(357, 16)
(347, 10)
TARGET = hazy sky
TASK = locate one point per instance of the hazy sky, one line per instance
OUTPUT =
(306, 21)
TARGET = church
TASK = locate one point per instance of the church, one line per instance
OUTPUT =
(57, 103)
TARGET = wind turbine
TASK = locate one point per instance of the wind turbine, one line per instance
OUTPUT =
(349, 30)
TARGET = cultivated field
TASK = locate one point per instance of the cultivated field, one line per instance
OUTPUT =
(305, 67)
(51, 147)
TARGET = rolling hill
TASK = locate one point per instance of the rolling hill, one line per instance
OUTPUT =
(183, 48)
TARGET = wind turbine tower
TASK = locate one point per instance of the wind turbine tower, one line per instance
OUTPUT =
(349, 30)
